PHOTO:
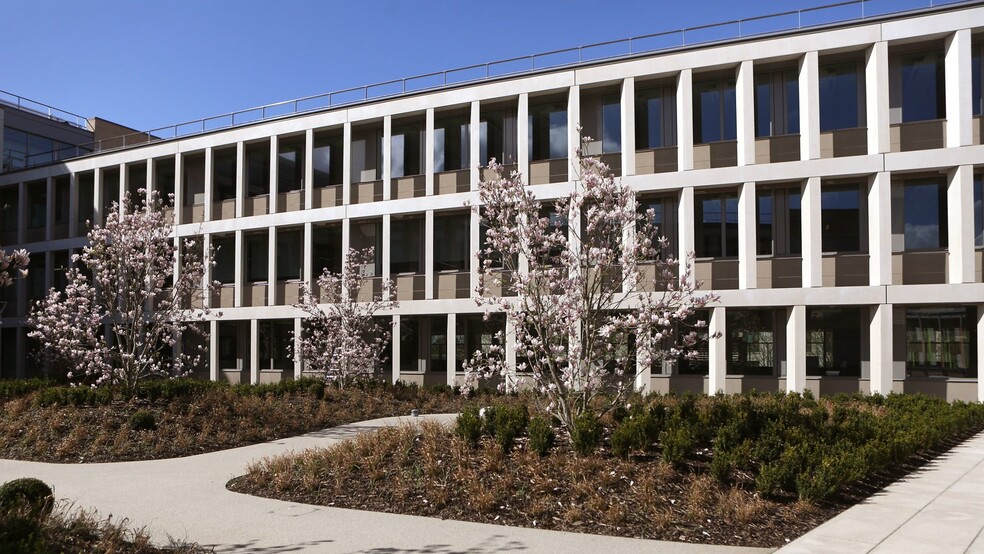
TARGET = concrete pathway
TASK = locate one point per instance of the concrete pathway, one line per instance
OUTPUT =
(938, 509)
(186, 498)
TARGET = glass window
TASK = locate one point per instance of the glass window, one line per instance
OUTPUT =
(370, 235)
(257, 257)
(833, 341)
(922, 87)
(776, 104)
(715, 111)
(840, 216)
(717, 225)
(498, 136)
(290, 165)
(14, 149)
(840, 96)
(611, 123)
(224, 174)
(778, 227)
(924, 212)
(451, 150)
(409, 344)
(164, 180)
(274, 344)
(62, 199)
(975, 80)
(940, 341)
(257, 169)
(750, 342)
(663, 220)
(289, 244)
(225, 259)
(548, 131)
(451, 234)
(405, 157)
(655, 118)
(978, 211)
(37, 205)
(327, 160)
(39, 150)
(438, 343)
(406, 241)
(8, 208)
(326, 249)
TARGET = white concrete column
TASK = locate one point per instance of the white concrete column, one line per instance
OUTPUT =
(809, 105)
(209, 182)
(240, 178)
(98, 217)
(272, 206)
(747, 251)
(685, 120)
(151, 186)
(207, 273)
(957, 70)
(474, 244)
(429, 152)
(882, 361)
(452, 351)
(395, 362)
(49, 210)
(745, 114)
(73, 204)
(309, 169)
(796, 349)
(811, 234)
(475, 144)
(685, 231)
(346, 244)
(347, 163)
(627, 113)
(523, 140)
(272, 267)
(298, 362)
(960, 224)
(213, 350)
(387, 246)
(309, 276)
(429, 255)
(876, 97)
(510, 352)
(717, 352)
(254, 351)
(644, 369)
(880, 229)
(122, 186)
(239, 280)
(980, 352)
(573, 136)
(387, 157)
(178, 188)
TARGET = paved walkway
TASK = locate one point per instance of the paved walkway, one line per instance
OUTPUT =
(185, 498)
(938, 509)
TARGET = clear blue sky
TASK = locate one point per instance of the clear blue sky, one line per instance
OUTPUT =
(150, 63)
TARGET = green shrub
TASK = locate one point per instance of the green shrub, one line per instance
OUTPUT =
(506, 423)
(22, 534)
(26, 496)
(468, 426)
(14, 388)
(638, 432)
(677, 441)
(720, 466)
(169, 389)
(586, 434)
(74, 396)
(541, 435)
(143, 420)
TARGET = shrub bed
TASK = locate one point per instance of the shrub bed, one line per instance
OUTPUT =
(743, 470)
(53, 423)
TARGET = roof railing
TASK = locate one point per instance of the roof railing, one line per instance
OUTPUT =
(44, 110)
(805, 18)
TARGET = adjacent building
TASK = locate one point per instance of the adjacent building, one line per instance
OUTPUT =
(828, 179)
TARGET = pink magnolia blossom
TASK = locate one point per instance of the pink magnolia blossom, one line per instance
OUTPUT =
(13, 266)
(578, 298)
(341, 339)
(124, 307)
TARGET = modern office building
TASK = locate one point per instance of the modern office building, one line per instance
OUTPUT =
(827, 177)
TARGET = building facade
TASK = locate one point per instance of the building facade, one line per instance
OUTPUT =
(828, 180)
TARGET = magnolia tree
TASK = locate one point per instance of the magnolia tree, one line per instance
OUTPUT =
(571, 279)
(341, 339)
(12, 266)
(124, 307)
